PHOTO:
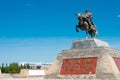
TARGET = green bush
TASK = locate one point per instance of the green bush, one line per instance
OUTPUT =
(12, 68)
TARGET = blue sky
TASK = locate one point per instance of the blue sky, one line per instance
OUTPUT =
(37, 30)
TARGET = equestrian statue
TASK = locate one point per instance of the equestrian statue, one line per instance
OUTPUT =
(85, 24)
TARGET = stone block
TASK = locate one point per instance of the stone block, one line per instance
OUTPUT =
(89, 43)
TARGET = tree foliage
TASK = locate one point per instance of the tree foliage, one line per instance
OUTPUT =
(13, 68)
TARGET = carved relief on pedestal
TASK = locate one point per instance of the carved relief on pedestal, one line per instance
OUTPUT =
(79, 66)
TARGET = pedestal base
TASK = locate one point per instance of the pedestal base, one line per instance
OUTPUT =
(93, 62)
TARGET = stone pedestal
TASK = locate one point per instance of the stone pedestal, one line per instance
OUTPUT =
(87, 59)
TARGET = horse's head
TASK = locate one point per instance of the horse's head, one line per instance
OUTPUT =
(79, 15)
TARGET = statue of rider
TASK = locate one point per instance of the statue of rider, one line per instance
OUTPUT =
(86, 23)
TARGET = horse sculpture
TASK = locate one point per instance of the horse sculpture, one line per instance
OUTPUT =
(85, 26)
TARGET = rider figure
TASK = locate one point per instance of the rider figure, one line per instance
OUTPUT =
(89, 16)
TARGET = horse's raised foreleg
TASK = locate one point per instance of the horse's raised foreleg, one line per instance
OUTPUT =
(77, 28)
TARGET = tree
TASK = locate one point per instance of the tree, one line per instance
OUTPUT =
(28, 66)
(6, 68)
(21, 66)
(3, 68)
(14, 68)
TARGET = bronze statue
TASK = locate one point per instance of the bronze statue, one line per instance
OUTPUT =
(86, 24)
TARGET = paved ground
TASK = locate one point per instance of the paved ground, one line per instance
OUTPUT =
(8, 77)
(36, 78)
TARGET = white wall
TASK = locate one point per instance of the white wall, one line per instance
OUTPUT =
(36, 72)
